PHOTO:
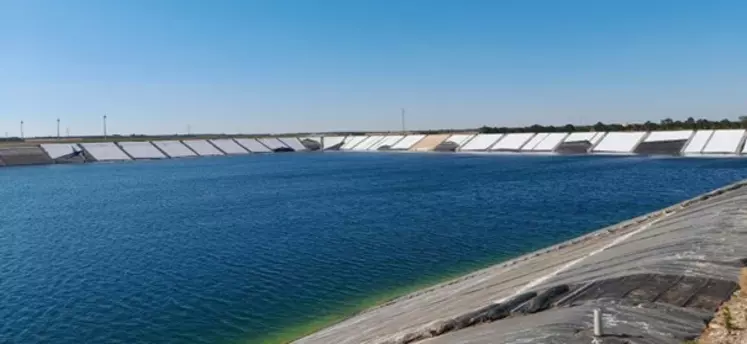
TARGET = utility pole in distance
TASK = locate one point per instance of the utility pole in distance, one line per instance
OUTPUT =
(403, 120)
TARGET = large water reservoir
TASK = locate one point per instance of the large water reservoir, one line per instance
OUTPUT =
(258, 248)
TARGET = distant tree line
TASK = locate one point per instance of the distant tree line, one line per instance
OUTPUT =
(665, 124)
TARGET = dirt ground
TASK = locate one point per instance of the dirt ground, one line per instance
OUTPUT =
(729, 326)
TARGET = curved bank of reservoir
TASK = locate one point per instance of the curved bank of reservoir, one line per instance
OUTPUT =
(702, 143)
(669, 269)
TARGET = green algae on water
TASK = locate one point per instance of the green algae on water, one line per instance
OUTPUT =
(355, 307)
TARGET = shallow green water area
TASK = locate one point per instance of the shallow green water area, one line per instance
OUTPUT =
(356, 306)
(266, 248)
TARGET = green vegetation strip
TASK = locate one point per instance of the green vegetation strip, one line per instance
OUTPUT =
(324, 321)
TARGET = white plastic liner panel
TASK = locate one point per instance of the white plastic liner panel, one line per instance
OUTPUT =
(368, 142)
(619, 142)
(202, 147)
(513, 141)
(698, 142)
(577, 137)
(272, 143)
(105, 151)
(550, 142)
(353, 141)
(332, 141)
(141, 150)
(174, 149)
(253, 146)
(677, 135)
(481, 142)
(228, 146)
(724, 141)
(460, 139)
(387, 141)
(294, 143)
(537, 139)
(313, 138)
(57, 150)
(597, 137)
(407, 142)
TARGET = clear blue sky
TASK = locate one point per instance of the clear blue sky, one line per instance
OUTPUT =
(312, 65)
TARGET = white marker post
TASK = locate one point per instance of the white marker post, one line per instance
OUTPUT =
(598, 328)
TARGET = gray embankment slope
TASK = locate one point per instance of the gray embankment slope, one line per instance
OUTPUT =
(658, 278)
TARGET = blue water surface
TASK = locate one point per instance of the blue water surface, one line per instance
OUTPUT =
(230, 249)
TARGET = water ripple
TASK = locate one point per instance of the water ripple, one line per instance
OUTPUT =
(233, 249)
